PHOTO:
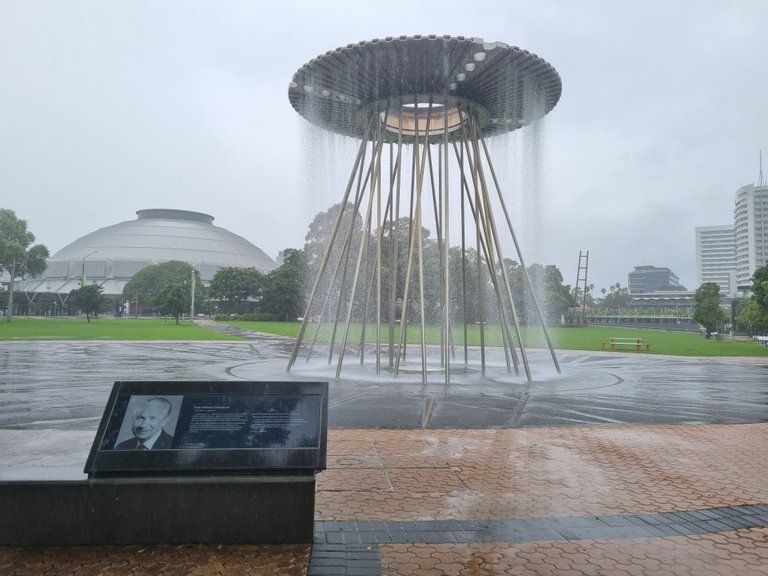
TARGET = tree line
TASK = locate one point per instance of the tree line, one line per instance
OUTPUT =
(751, 314)
(281, 294)
(380, 261)
(18, 255)
(167, 288)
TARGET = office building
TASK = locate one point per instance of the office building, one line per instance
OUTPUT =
(716, 257)
(750, 218)
(645, 279)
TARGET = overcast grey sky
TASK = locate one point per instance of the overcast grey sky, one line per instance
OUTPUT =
(108, 107)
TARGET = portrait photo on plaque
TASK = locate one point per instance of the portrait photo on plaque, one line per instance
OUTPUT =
(148, 423)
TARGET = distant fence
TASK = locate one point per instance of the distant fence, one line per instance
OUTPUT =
(680, 323)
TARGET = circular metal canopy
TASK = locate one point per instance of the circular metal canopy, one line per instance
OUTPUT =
(416, 85)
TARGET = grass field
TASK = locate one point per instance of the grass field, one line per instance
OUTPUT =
(105, 328)
(582, 338)
(586, 338)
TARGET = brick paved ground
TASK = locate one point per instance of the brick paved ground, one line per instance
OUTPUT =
(542, 472)
(284, 560)
(741, 552)
(690, 484)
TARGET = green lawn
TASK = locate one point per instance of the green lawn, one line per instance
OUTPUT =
(662, 341)
(104, 328)
(586, 338)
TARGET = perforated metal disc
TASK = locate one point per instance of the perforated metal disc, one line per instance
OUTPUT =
(436, 80)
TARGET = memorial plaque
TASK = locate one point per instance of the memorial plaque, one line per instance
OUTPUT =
(182, 428)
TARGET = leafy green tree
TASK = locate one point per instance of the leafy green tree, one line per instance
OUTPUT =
(295, 260)
(760, 287)
(173, 300)
(707, 310)
(465, 286)
(321, 228)
(234, 286)
(148, 282)
(617, 298)
(44, 303)
(282, 295)
(753, 314)
(88, 299)
(285, 290)
(340, 264)
(554, 298)
(557, 296)
(394, 262)
(753, 317)
(17, 254)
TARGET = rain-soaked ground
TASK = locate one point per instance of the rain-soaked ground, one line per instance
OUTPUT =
(65, 385)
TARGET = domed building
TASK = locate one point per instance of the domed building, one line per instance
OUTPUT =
(111, 256)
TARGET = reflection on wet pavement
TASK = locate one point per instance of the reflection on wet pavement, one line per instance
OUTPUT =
(64, 385)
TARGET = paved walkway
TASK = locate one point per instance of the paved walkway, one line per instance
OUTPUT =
(668, 499)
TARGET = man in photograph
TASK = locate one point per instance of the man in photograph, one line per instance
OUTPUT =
(148, 420)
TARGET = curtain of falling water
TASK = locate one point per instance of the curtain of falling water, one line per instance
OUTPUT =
(518, 158)
(325, 159)
(535, 227)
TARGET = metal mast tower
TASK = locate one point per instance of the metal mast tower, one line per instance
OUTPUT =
(422, 108)
(581, 282)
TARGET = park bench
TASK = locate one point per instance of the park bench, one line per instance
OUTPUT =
(762, 340)
(629, 343)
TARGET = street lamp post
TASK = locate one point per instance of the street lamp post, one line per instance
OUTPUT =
(195, 267)
(82, 274)
(192, 299)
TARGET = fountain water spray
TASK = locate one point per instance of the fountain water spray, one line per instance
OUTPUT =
(422, 108)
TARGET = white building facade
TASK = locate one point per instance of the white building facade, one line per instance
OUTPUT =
(716, 257)
(750, 218)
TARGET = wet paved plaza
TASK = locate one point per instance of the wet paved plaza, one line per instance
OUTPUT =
(624, 464)
(64, 385)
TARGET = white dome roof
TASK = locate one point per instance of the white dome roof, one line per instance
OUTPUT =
(110, 256)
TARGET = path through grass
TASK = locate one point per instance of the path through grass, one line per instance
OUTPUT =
(104, 328)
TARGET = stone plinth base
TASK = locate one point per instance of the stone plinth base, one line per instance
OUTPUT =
(185, 510)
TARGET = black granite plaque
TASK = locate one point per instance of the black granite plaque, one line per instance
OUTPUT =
(182, 428)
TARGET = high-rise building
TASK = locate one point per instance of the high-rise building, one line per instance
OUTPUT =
(729, 255)
(716, 257)
(750, 219)
(645, 279)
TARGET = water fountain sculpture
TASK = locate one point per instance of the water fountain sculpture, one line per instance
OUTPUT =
(422, 108)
